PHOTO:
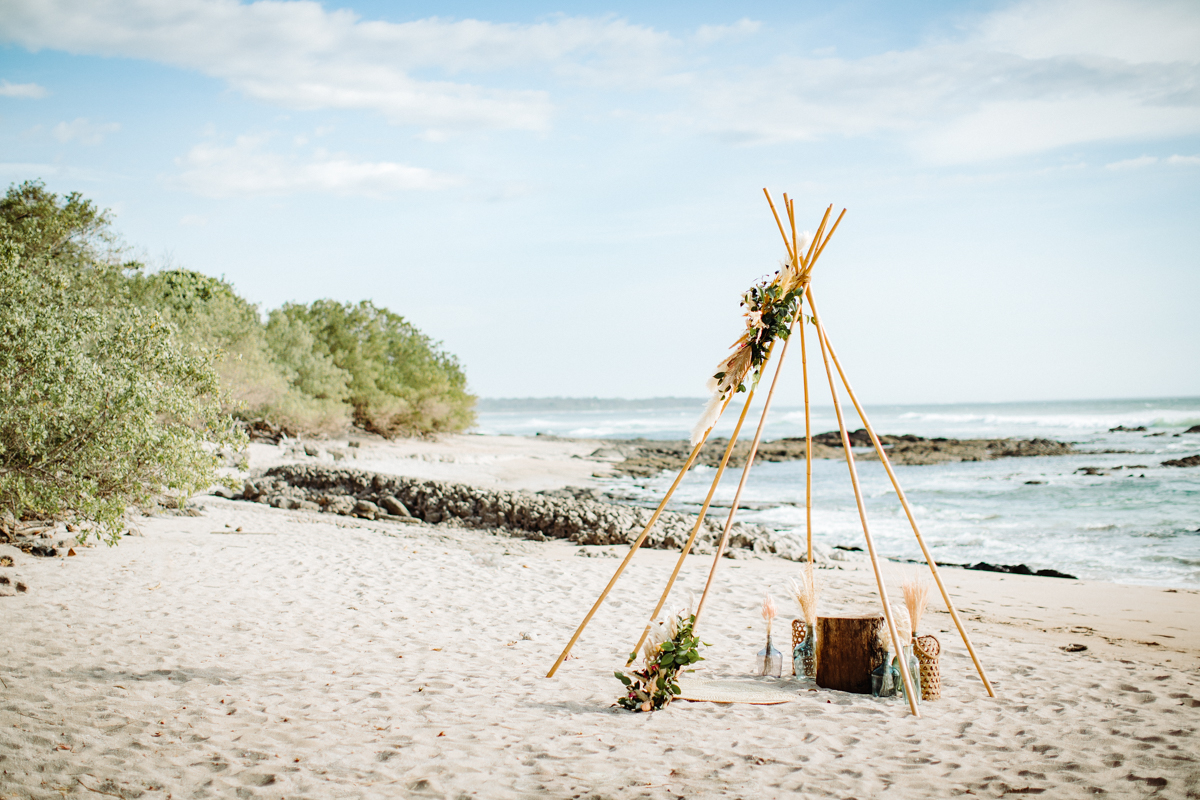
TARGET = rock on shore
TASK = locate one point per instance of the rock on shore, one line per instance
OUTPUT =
(538, 517)
(643, 458)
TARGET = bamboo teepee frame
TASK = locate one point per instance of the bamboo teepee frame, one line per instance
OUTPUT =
(802, 264)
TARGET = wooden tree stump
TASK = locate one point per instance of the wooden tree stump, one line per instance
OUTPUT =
(848, 649)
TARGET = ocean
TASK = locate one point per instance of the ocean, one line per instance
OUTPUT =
(1132, 521)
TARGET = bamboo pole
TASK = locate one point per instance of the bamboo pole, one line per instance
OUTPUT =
(712, 574)
(887, 465)
(807, 411)
(862, 515)
(633, 548)
(811, 261)
(792, 219)
(687, 548)
(831, 230)
(807, 445)
(771, 202)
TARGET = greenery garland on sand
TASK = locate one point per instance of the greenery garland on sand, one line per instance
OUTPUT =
(670, 647)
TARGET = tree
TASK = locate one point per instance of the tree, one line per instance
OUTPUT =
(101, 407)
(401, 381)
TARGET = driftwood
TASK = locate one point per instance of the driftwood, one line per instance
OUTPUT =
(848, 648)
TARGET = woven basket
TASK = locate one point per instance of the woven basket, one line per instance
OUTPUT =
(928, 650)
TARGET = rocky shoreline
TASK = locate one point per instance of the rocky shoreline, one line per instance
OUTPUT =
(572, 514)
(641, 458)
(538, 517)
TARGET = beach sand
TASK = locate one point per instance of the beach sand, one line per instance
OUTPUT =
(310, 655)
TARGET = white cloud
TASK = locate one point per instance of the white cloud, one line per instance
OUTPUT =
(1028, 78)
(31, 171)
(707, 34)
(1020, 127)
(1132, 163)
(1133, 31)
(1147, 161)
(84, 131)
(30, 90)
(300, 55)
(248, 168)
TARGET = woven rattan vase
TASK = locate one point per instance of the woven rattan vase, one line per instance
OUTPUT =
(928, 650)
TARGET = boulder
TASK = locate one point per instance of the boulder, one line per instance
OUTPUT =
(1188, 461)
(394, 506)
(366, 509)
(341, 505)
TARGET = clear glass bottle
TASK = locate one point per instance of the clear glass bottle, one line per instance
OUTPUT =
(804, 657)
(914, 673)
(769, 661)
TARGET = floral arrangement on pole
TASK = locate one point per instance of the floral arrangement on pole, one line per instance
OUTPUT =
(670, 647)
(770, 307)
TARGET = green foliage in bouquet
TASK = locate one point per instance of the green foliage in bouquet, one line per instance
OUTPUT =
(670, 648)
(770, 308)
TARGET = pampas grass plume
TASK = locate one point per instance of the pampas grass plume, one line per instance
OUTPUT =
(904, 627)
(916, 599)
(769, 610)
(807, 592)
(707, 419)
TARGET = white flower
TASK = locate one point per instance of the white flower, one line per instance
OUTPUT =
(654, 640)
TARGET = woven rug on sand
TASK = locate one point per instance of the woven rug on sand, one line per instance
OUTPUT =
(763, 694)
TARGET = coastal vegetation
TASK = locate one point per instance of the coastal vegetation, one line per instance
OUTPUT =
(119, 385)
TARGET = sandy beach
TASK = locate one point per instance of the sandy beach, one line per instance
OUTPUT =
(253, 651)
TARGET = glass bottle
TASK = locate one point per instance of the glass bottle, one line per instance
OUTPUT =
(914, 673)
(804, 656)
(769, 661)
(885, 677)
(886, 680)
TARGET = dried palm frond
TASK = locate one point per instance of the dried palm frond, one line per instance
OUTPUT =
(807, 592)
(916, 598)
(732, 373)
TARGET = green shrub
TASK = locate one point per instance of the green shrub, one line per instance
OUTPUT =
(99, 408)
(208, 314)
(72, 235)
(400, 381)
(117, 386)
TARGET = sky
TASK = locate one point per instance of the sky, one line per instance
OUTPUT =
(569, 195)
